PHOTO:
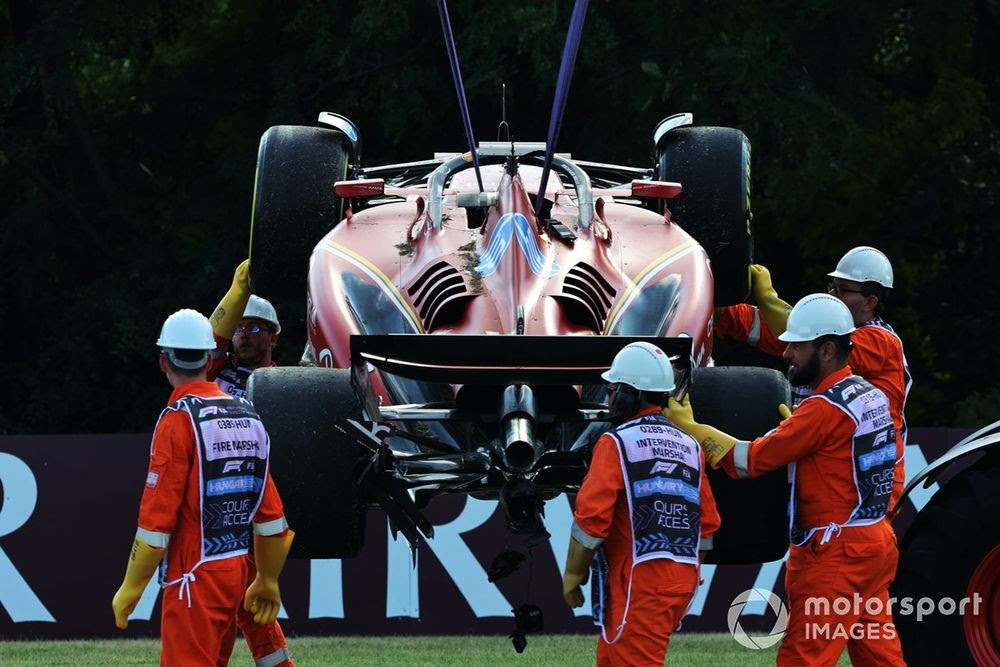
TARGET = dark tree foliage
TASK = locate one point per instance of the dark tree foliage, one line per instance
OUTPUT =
(129, 135)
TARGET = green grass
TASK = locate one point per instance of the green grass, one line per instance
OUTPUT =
(693, 649)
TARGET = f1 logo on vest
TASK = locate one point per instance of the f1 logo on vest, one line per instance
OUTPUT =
(231, 466)
(663, 466)
(848, 392)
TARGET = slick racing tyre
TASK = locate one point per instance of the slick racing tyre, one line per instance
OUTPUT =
(713, 166)
(313, 463)
(743, 402)
(294, 207)
(950, 553)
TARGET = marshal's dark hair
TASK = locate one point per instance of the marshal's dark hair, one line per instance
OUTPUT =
(843, 345)
(189, 356)
(872, 288)
(655, 397)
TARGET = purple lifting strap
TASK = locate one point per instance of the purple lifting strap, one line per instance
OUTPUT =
(456, 75)
(562, 92)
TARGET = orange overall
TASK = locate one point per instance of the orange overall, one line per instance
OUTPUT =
(661, 588)
(876, 355)
(264, 640)
(198, 623)
(845, 569)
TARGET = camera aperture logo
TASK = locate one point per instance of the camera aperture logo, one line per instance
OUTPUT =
(780, 623)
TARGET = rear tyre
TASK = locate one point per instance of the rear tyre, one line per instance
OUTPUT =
(713, 166)
(951, 551)
(743, 402)
(294, 207)
(313, 464)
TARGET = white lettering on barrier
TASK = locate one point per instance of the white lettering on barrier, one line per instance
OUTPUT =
(460, 563)
(326, 588)
(20, 494)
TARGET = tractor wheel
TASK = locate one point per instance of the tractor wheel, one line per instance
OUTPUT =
(713, 166)
(952, 551)
(294, 207)
(313, 463)
(743, 402)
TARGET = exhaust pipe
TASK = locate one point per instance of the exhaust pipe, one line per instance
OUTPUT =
(518, 447)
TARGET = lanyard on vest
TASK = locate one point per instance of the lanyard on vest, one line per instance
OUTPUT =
(661, 470)
(873, 457)
(232, 456)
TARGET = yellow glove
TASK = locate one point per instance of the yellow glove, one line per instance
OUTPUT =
(577, 572)
(263, 599)
(141, 566)
(783, 411)
(772, 308)
(227, 314)
(715, 443)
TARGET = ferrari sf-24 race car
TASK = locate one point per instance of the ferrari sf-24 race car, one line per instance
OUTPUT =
(459, 323)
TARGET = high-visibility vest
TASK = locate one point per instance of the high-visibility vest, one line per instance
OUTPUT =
(232, 459)
(661, 467)
(873, 457)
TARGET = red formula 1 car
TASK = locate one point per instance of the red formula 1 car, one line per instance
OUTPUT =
(458, 337)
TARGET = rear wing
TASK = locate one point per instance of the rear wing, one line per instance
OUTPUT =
(506, 360)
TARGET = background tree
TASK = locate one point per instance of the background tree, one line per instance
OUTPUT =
(129, 135)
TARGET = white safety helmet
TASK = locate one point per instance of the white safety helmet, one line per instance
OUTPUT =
(186, 329)
(643, 366)
(864, 264)
(262, 309)
(817, 315)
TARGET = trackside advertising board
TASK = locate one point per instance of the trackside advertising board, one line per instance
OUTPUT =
(69, 514)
